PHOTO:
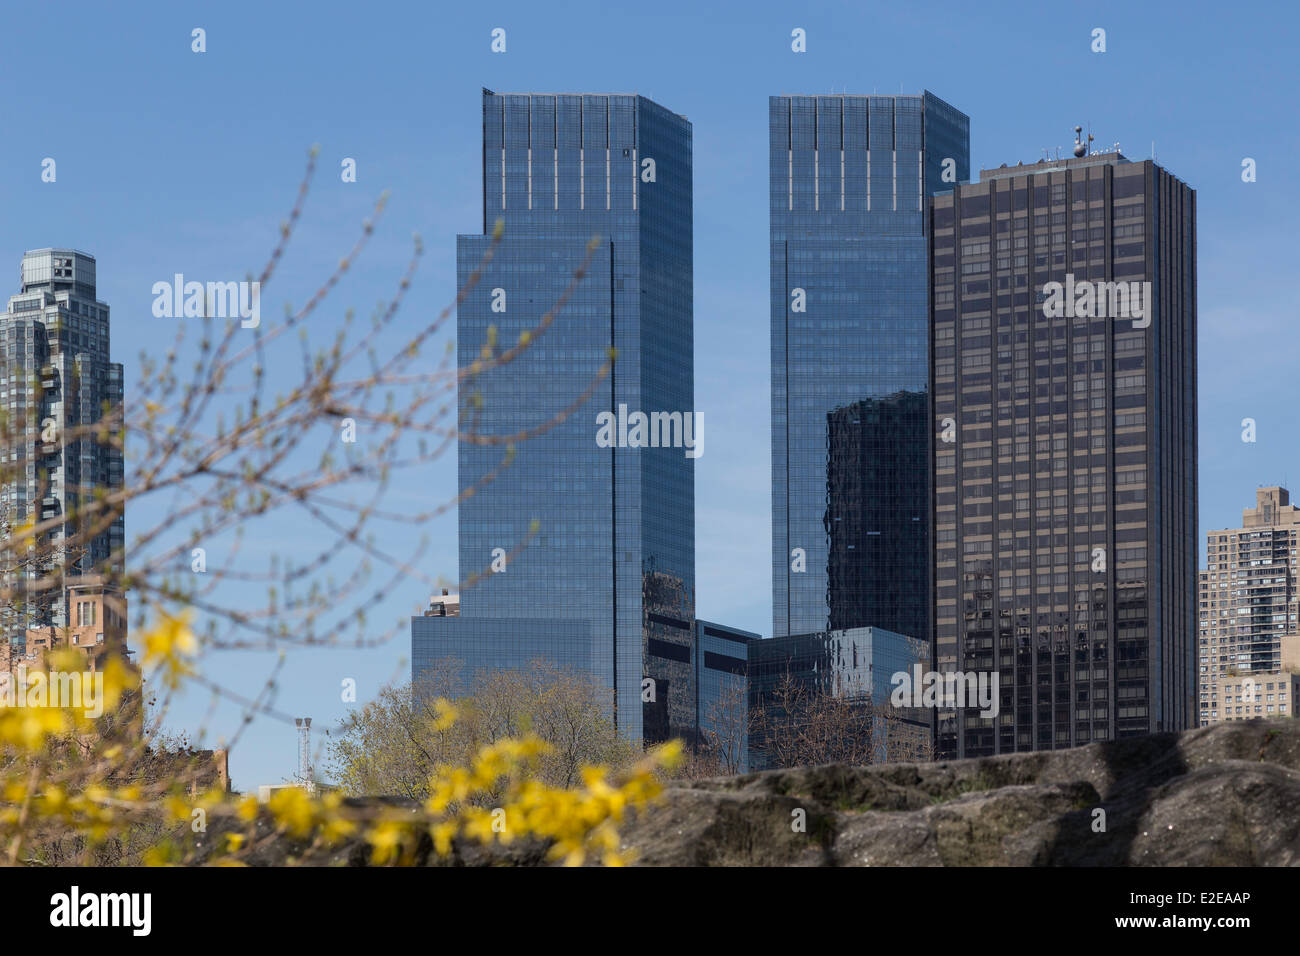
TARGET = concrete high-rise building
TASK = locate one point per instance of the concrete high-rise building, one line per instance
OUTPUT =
(606, 584)
(1064, 363)
(1248, 612)
(56, 379)
(850, 176)
(1259, 696)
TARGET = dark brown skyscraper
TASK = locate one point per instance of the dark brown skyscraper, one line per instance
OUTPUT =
(1064, 363)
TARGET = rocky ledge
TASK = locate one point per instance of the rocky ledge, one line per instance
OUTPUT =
(1227, 795)
(1219, 796)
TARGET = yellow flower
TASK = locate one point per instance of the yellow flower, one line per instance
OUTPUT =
(169, 646)
(65, 659)
(24, 528)
(116, 681)
(27, 728)
(442, 835)
(669, 755)
(178, 808)
(292, 809)
(385, 839)
(579, 824)
(336, 829)
(161, 855)
(446, 714)
(247, 809)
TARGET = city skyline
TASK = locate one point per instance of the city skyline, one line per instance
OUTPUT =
(1242, 284)
(1073, 419)
(472, 528)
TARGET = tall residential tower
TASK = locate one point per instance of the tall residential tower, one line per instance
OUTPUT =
(1249, 610)
(55, 380)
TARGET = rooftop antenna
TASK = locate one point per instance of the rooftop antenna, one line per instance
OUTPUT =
(304, 751)
(1081, 147)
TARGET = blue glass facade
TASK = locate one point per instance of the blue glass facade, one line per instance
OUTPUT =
(850, 176)
(855, 665)
(459, 648)
(606, 180)
(722, 687)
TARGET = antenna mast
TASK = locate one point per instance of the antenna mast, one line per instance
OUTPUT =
(1081, 147)
(304, 752)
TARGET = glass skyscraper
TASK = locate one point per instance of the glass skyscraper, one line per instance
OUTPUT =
(600, 183)
(1065, 451)
(850, 177)
(57, 381)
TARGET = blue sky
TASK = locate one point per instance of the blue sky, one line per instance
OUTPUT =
(171, 161)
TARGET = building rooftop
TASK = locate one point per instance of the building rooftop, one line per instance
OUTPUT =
(530, 93)
(49, 249)
(1113, 158)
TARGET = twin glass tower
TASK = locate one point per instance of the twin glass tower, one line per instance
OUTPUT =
(850, 178)
(582, 551)
(594, 261)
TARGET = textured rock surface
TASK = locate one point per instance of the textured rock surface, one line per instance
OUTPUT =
(1219, 796)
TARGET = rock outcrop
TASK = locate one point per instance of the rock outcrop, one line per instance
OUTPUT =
(1219, 796)
(1227, 795)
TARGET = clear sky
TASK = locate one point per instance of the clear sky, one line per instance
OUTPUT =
(173, 161)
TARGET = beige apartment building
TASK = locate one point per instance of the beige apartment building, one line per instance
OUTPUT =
(97, 611)
(1249, 642)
